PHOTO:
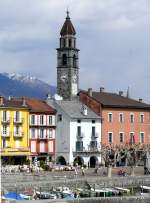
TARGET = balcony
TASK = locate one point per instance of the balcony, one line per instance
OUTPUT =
(5, 121)
(94, 136)
(18, 134)
(42, 137)
(80, 135)
(18, 121)
(6, 135)
(86, 153)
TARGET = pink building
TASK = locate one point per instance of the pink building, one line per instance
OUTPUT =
(42, 130)
(124, 120)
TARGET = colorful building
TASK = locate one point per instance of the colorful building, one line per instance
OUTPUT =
(14, 131)
(124, 120)
(42, 126)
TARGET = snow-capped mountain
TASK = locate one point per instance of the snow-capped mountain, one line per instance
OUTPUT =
(24, 85)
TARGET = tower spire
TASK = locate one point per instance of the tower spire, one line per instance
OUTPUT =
(67, 13)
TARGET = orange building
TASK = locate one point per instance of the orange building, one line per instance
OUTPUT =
(124, 120)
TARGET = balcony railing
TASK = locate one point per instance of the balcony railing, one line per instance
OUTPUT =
(91, 151)
(6, 135)
(42, 137)
(6, 121)
(80, 136)
(94, 136)
(18, 121)
(18, 134)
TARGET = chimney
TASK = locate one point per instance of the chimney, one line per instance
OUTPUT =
(120, 93)
(1, 100)
(102, 89)
(84, 110)
(23, 101)
(90, 92)
(140, 100)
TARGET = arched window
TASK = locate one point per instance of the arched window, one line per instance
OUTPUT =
(64, 42)
(64, 59)
(74, 60)
(69, 42)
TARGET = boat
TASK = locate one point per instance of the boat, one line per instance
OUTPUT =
(15, 196)
(145, 190)
(45, 195)
(123, 191)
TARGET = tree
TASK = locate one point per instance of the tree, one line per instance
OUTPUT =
(131, 153)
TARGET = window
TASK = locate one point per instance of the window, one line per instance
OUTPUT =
(50, 120)
(50, 133)
(131, 118)
(17, 130)
(121, 117)
(41, 120)
(132, 138)
(110, 117)
(79, 121)
(32, 119)
(110, 137)
(79, 131)
(4, 130)
(69, 42)
(64, 59)
(4, 115)
(93, 131)
(41, 133)
(3, 143)
(93, 121)
(17, 118)
(121, 137)
(141, 118)
(93, 144)
(141, 137)
(74, 60)
(64, 42)
(59, 117)
(32, 133)
(79, 146)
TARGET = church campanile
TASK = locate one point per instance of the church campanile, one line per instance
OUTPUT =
(67, 62)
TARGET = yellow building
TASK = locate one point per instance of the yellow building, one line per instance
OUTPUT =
(14, 131)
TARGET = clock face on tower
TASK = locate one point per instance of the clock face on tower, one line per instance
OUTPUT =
(64, 77)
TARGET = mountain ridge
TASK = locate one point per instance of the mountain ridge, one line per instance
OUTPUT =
(18, 85)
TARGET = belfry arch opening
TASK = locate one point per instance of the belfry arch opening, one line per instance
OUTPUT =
(74, 60)
(64, 59)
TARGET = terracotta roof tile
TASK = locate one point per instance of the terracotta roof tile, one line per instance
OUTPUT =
(39, 106)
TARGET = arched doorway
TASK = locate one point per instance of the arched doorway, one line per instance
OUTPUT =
(61, 160)
(93, 161)
(78, 160)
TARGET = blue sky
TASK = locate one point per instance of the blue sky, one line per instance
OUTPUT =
(112, 35)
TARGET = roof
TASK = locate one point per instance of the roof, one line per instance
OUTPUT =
(114, 100)
(12, 103)
(74, 109)
(67, 28)
(34, 105)
(39, 106)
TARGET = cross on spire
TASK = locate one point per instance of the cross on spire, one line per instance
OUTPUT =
(67, 13)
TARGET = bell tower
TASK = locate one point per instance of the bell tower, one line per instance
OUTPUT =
(67, 62)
